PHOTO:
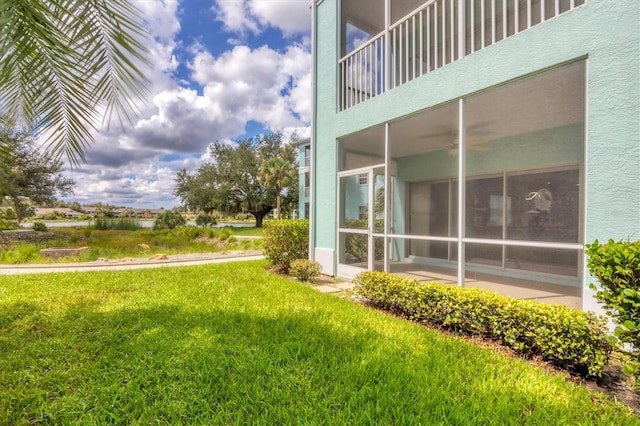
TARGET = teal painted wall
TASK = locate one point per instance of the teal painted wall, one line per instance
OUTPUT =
(606, 33)
(326, 53)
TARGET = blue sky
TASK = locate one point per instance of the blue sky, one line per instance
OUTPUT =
(223, 70)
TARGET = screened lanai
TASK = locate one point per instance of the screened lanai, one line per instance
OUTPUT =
(514, 225)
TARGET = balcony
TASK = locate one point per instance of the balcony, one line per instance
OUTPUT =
(433, 33)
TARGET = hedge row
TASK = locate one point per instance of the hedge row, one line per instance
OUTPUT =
(568, 338)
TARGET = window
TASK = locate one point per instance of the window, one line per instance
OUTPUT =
(363, 212)
(363, 179)
(307, 156)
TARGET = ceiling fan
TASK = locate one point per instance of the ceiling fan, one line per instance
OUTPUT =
(449, 140)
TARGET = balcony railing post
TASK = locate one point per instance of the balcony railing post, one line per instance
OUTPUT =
(461, 29)
(387, 44)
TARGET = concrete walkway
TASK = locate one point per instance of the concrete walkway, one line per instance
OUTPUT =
(334, 287)
(132, 263)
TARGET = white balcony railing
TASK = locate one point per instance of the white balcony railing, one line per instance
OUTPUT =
(434, 35)
(362, 73)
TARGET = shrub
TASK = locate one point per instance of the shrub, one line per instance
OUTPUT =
(169, 220)
(205, 220)
(224, 234)
(39, 227)
(616, 265)
(285, 241)
(568, 338)
(187, 233)
(305, 269)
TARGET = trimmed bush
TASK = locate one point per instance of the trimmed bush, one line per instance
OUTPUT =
(305, 269)
(568, 338)
(616, 265)
(285, 241)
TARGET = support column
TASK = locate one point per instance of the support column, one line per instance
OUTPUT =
(461, 190)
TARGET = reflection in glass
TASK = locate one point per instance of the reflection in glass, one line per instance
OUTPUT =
(354, 202)
(355, 249)
(545, 206)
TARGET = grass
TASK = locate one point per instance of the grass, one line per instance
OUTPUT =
(114, 244)
(232, 344)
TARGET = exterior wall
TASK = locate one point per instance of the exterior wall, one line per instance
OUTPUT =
(606, 33)
(325, 158)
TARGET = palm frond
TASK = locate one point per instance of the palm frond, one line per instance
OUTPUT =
(63, 62)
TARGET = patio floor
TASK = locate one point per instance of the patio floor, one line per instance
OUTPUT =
(517, 288)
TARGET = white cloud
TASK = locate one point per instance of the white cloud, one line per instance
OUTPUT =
(236, 16)
(185, 122)
(262, 85)
(292, 17)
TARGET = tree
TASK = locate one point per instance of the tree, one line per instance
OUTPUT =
(63, 62)
(230, 183)
(169, 219)
(30, 175)
(277, 173)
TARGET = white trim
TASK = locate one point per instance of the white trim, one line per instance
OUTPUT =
(312, 136)
(359, 170)
(462, 184)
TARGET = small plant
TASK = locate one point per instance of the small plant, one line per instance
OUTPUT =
(188, 233)
(286, 241)
(616, 265)
(305, 269)
(169, 220)
(205, 220)
(224, 234)
(87, 232)
(73, 238)
(39, 227)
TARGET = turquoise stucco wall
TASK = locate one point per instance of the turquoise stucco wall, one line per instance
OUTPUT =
(606, 33)
(325, 164)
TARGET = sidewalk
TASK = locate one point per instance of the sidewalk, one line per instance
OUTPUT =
(132, 263)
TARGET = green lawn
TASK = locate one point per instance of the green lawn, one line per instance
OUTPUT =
(231, 344)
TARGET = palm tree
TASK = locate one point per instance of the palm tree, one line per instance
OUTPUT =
(66, 66)
(277, 173)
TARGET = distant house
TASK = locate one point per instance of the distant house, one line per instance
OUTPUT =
(479, 141)
(67, 212)
(91, 211)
